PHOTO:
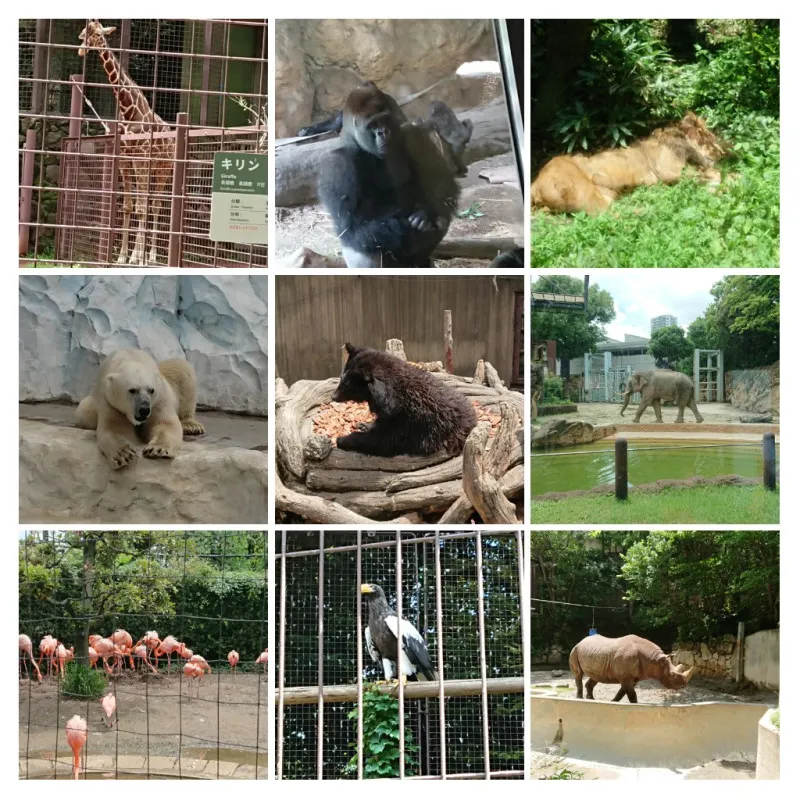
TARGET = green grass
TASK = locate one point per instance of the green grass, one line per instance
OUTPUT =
(744, 505)
(81, 681)
(686, 225)
(776, 718)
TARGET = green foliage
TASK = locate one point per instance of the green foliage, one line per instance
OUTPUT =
(565, 774)
(776, 718)
(381, 719)
(743, 321)
(553, 390)
(718, 505)
(472, 212)
(703, 582)
(629, 79)
(84, 682)
(669, 345)
(578, 332)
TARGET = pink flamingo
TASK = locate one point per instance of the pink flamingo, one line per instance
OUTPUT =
(168, 646)
(151, 641)
(109, 704)
(92, 657)
(262, 659)
(233, 660)
(61, 656)
(186, 654)
(77, 733)
(141, 653)
(26, 646)
(192, 670)
(124, 641)
(47, 646)
(201, 661)
(105, 649)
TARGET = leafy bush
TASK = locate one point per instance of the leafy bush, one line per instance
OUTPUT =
(553, 390)
(382, 738)
(82, 681)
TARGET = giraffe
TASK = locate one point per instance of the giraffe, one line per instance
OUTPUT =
(141, 157)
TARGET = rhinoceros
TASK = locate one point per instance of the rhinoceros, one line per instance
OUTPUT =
(626, 661)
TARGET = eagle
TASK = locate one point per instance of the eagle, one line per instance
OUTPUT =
(381, 638)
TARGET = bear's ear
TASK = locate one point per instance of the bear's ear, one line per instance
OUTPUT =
(351, 350)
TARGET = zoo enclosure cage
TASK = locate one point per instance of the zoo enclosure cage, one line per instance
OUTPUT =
(208, 589)
(462, 591)
(207, 79)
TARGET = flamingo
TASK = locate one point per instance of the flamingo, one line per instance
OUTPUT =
(192, 670)
(169, 645)
(47, 647)
(262, 659)
(109, 704)
(151, 641)
(233, 660)
(26, 646)
(124, 641)
(141, 653)
(77, 733)
(201, 661)
(92, 657)
(61, 656)
(185, 653)
(105, 649)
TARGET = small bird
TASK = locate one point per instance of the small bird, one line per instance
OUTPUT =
(77, 733)
(381, 638)
(262, 659)
(233, 660)
(109, 704)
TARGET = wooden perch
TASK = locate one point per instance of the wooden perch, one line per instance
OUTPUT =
(480, 486)
(348, 692)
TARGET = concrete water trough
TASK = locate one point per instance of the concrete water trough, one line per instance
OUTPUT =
(639, 735)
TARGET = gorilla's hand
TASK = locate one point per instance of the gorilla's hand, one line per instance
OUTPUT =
(421, 220)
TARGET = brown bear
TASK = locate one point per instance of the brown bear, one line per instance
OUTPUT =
(417, 414)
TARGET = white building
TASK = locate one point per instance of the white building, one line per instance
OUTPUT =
(664, 321)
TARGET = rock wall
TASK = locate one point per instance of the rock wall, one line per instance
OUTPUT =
(757, 390)
(69, 323)
(319, 62)
(715, 658)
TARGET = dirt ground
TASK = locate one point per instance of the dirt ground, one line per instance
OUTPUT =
(158, 715)
(608, 414)
(225, 430)
(501, 204)
(699, 690)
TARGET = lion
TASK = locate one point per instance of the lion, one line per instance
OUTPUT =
(592, 183)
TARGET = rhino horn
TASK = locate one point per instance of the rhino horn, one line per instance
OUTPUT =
(688, 674)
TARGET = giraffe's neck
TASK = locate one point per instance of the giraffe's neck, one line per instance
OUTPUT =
(133, 105)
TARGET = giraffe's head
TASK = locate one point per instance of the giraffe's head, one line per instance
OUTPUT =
(93, 36)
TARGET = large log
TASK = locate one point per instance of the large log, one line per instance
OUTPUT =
(480, 486)
(480, 249)
(348, 692)
(297, 163)
(290, 412)
(350, 460)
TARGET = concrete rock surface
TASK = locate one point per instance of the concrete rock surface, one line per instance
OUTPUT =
(563, 433)
(68, 324)
(65, 479)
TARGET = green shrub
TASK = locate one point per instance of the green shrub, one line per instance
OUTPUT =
(84, 682)
(553, 390)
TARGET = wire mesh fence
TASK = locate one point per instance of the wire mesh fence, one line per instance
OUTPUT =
(152, 643)
(461, 592)
(119, 124)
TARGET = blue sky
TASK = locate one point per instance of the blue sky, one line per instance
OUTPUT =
(640, 294)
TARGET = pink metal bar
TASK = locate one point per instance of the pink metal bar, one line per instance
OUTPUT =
(281, 662)
(359, 660)
(178, 177)
(26, 195)
(440, 657)
(320, 658)
(400, 699)
(75, 106)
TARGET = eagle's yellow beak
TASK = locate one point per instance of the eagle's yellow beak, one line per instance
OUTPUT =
(366, 588)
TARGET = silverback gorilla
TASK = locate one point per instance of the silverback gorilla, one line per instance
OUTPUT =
(389, 188)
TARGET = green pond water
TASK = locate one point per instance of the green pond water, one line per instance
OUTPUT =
(585, 466)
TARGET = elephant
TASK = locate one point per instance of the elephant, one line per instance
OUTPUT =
(656, 385)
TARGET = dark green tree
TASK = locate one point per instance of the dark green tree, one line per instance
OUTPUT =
(668, 346)
(576, 332)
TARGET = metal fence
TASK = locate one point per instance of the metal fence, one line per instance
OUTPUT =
(206, 591)
(110, 175)
(462, 592)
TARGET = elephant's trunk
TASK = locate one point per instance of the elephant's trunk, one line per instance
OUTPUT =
(626, 396)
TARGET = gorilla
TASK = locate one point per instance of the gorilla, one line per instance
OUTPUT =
(389, 187)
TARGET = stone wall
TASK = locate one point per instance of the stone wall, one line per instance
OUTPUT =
(762, 662)
(319, 62)
(715, 658)
(757, 390)
(69, 323)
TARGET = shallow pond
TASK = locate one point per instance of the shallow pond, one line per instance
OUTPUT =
(585, 466)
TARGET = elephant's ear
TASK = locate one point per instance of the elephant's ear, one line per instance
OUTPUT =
(643, 381)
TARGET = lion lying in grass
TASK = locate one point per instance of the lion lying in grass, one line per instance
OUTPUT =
(592, 183)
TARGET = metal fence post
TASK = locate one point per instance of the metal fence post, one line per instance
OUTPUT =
(768, 449)
(178, 183)
(76, 106)
(26, 195)
(621, 469)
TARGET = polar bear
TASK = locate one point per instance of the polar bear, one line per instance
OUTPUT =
(137, 400)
